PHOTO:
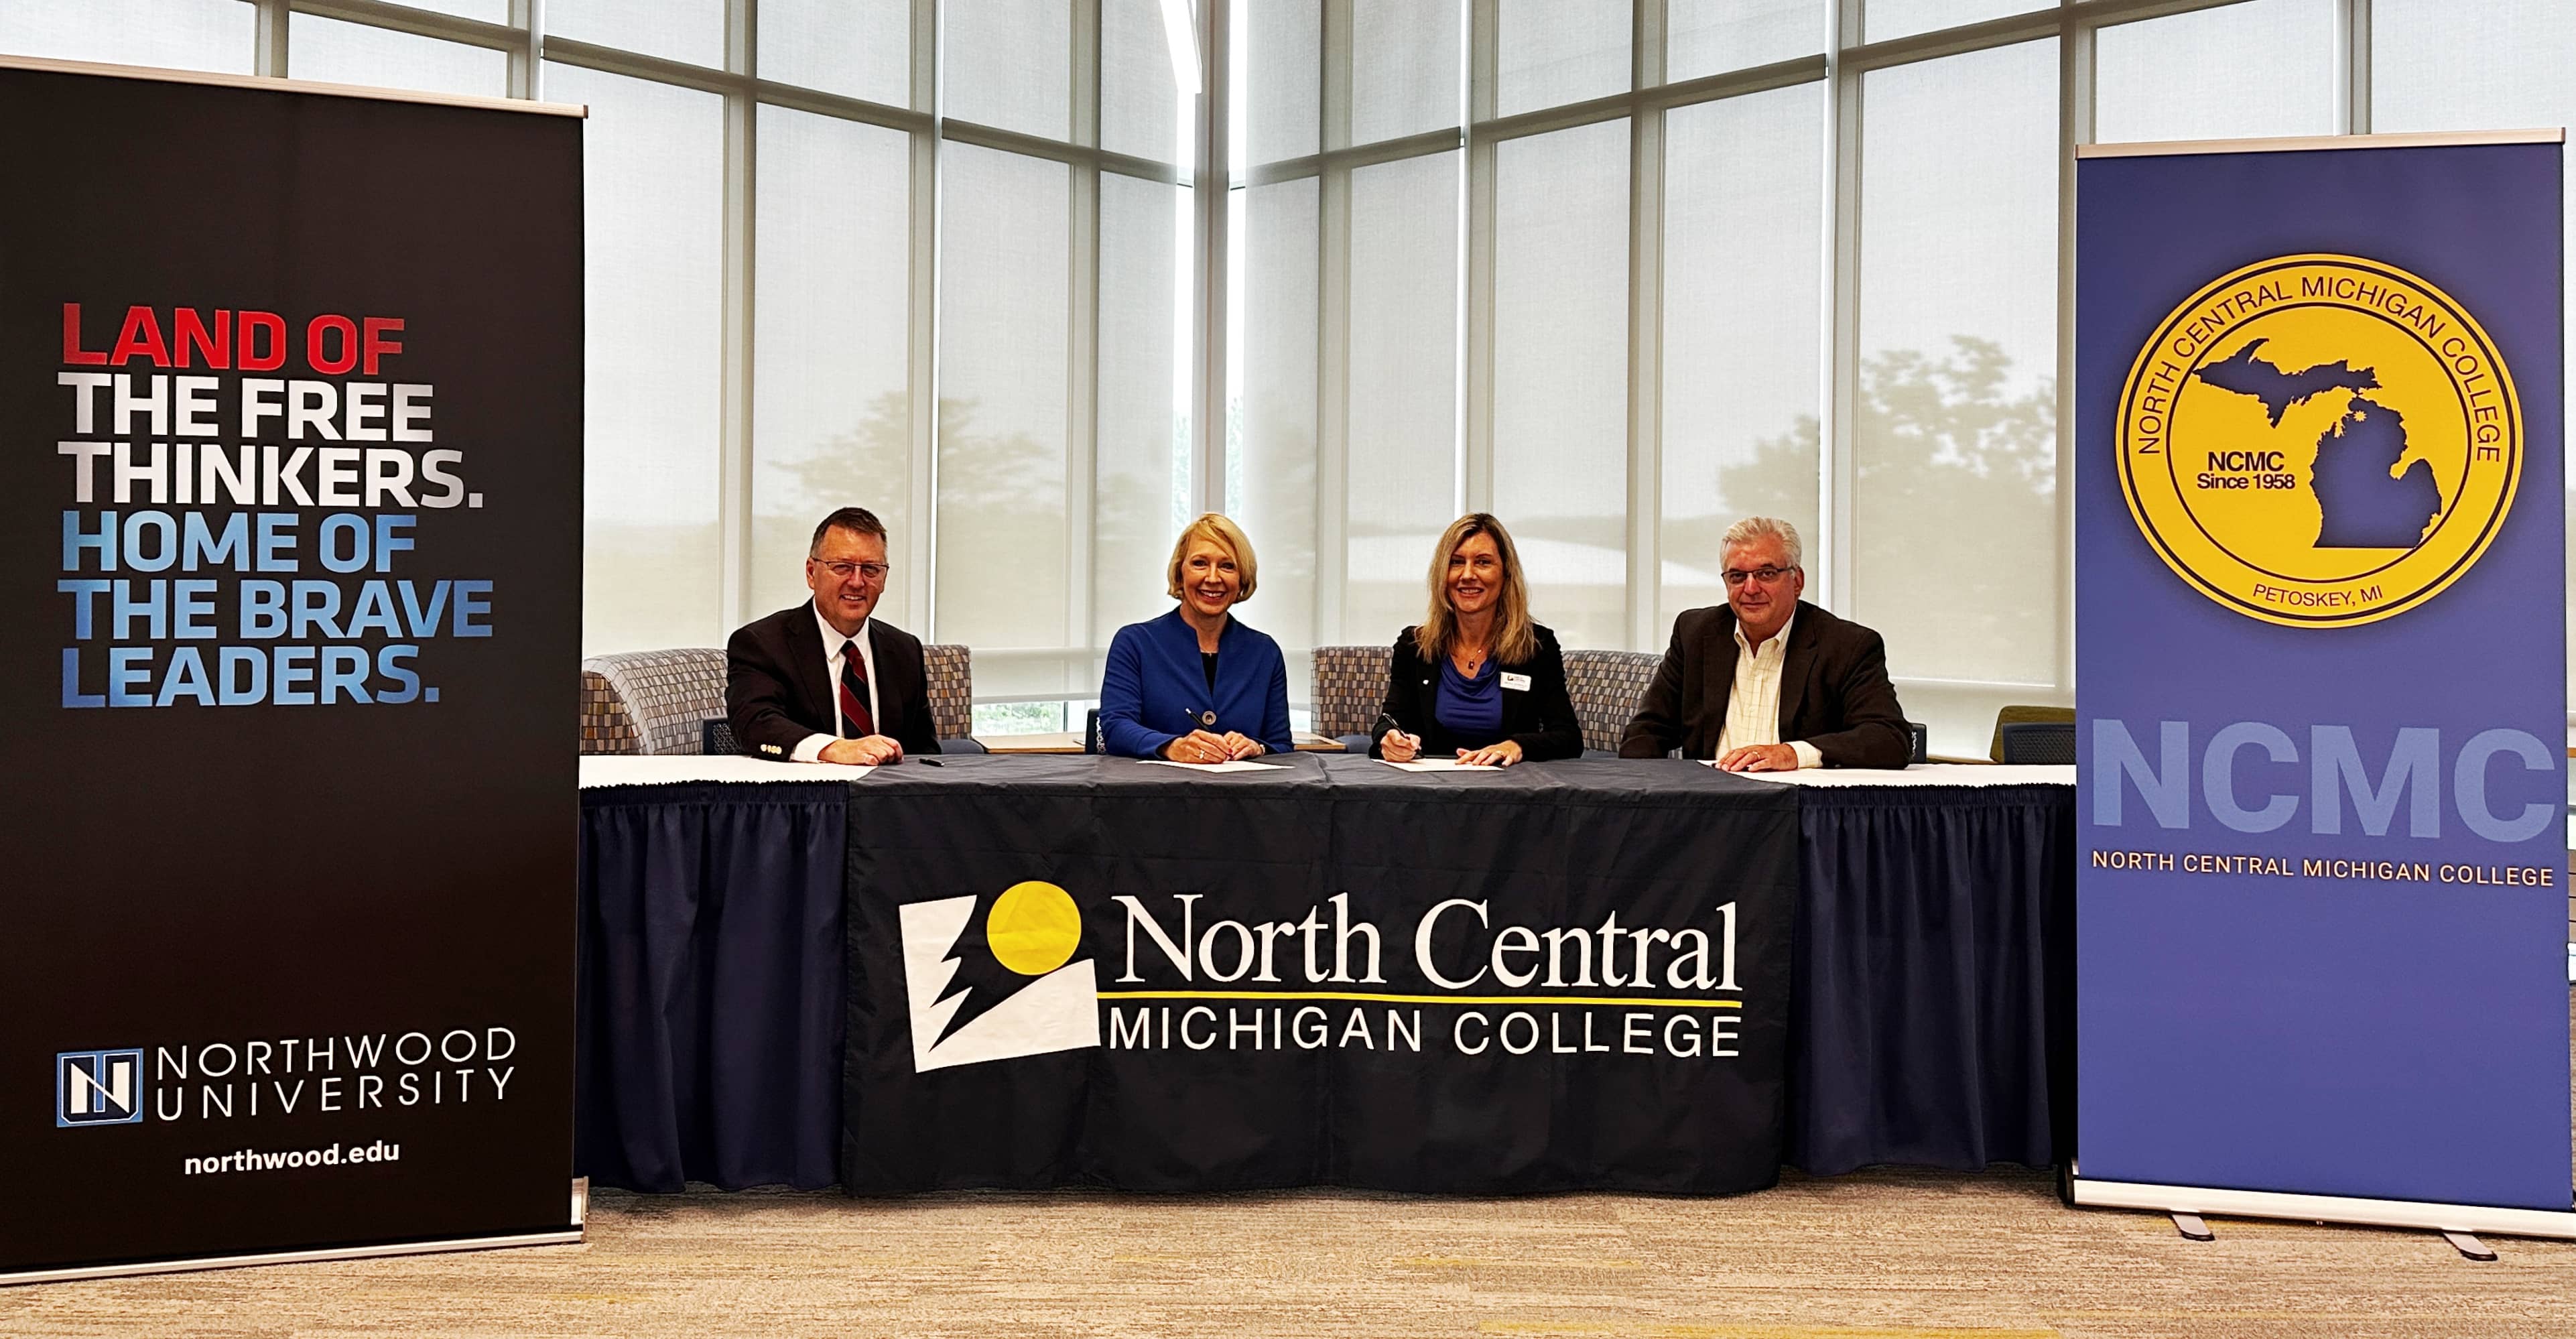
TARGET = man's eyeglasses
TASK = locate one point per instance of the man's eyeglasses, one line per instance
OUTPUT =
(1760, 575)
(872, 571)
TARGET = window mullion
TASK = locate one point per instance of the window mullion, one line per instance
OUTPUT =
(1082, 346)
(1645, 326)
(734, 443)
(1475, 470)
(1333, 330)
(921, 381)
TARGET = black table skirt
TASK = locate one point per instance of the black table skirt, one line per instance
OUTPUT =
(1931, 1018)
(1933, 1012)
(711, 985)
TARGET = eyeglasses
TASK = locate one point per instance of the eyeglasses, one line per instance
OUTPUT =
(872, 571)
(1760, 575)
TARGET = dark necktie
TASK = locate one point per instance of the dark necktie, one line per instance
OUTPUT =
(854, 694)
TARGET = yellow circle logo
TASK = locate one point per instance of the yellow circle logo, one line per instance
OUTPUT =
(2319, 441)
(1034, 928)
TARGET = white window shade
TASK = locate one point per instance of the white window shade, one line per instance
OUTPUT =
(1552, 52)
(216, 35)
(1954, 516)
(857, 48)
(353, 53)
(1713, 36)
(1140, 466)
(831, 421)
(653, 188)
(1885, 19)
(2239, 71)
(1278, 80)
(1404, 68)
(1142, 105)
(1271, 405)
(1403, 425)
(1561, 373)
(682, 30)
(1003, 366)
(1743, 274)
(1008, 63)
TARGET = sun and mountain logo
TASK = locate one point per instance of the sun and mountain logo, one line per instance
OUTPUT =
(992, 977)
(2320, 441)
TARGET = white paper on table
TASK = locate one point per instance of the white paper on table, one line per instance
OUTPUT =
(635, 769)
(1230, 765)
(1441, 765)
(1925, 774)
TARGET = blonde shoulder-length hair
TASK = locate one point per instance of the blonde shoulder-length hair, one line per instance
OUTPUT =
(1515, 637)
(1216, 529)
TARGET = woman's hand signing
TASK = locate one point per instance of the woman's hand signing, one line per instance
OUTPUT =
(1199, 746)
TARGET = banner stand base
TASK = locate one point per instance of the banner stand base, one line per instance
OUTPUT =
(2461, 1218)
(571, 1236)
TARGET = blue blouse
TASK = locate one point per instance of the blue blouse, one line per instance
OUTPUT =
(1154, 688)
(1469, 708)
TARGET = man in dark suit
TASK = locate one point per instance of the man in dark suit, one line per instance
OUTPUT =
(1767, 682)
(826, 681)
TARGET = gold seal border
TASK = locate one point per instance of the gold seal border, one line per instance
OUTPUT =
(2491, 524)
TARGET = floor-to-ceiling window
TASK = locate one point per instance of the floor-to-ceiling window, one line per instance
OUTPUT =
(1037, 280)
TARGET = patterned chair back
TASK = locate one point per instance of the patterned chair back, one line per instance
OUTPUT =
(1350, 686)
(605, 726)
(665, 696)
(1605, 686)
(660, 701)
(950, 669)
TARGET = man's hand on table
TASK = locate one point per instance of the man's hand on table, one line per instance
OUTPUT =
(865, 751)
(1760, 758)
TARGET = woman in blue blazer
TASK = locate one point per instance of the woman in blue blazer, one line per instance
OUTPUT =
(1196, 685)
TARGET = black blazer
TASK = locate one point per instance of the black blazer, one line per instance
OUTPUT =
(1540, 719)
(776, 692)
(1834, 691)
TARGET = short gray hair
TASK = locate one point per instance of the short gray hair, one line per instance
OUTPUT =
(1765, 527)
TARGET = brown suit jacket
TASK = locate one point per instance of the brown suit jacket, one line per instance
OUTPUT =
(776, 692)
(1834, 691)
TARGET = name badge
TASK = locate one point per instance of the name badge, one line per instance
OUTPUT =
(1518, 683)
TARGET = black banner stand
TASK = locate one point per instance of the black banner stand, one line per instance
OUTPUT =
(291, 387)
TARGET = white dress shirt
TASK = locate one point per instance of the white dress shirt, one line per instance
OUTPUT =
(810, 748)
(1753, 705)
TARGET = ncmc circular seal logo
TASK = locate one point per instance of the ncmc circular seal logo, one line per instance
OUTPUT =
(2320, 441)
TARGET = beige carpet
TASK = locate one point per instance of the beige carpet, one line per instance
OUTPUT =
(1873, 1255)
(1878, 1254)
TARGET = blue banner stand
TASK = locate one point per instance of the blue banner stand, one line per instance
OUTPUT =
(2320, 612)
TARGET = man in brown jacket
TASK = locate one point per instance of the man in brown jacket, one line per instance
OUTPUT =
(1767, 682)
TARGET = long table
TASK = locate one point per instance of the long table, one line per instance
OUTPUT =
(724, 976)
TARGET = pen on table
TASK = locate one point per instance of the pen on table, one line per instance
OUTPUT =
(930, 762)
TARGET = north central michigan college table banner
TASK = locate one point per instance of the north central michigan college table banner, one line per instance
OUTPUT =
(1192, 982)
(290, 528)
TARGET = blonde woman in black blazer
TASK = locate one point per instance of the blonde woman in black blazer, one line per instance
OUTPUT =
(1476, 679)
